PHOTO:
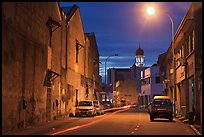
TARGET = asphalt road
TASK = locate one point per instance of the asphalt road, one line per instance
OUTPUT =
(123, 122)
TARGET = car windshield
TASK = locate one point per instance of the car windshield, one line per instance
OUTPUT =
(85, 103)
(96, 102)
(163, 102)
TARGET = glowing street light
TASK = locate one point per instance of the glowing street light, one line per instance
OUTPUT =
(151, 11)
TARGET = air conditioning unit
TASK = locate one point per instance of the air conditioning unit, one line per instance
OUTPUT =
(183, 61)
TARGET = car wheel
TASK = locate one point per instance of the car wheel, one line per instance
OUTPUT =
(151, 118)
(171, 119)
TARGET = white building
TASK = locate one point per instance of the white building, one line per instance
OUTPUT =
(151, 84)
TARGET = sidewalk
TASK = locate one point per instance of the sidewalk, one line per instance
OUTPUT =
(47, 127)
(41, 128)
(195, 127)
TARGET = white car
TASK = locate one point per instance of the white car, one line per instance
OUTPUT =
(85, 108)
(99, 107)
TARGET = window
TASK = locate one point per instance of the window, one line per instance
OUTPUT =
(157, 79)
(85, 103)
(149, 82)
(181, 51)
(191, 42)
(141, 73)
(77, 53)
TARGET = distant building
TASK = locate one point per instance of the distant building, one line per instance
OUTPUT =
(139, 58)
(151, 84)
(133, 73)
(125, 93)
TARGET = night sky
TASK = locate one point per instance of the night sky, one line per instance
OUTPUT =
(120, 27)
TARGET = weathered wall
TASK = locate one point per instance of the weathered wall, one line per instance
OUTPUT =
(27, 55)
(75, 72)
(24, 61)
(127, 90)
(92, 65)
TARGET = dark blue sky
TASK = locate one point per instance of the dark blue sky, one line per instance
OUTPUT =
(121, 26)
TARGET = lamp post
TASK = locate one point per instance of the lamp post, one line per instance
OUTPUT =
(151, 11)
(105, 69)
(106, 62)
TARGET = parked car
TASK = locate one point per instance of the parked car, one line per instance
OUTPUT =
(99, 107)
(85, 108)
(107, 104)
(161, 107)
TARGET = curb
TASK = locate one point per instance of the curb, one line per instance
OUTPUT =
(192, 127)
(35, 128)
(195, 130)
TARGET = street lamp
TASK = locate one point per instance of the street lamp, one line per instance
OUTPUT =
(106, 62)
(151, 11)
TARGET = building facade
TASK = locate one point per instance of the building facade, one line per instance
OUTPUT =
(48, 63)
(123, 75)
(188, 62)
(125, 93)
(26, 59)
(151, 84)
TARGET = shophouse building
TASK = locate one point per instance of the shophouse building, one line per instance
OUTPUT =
(187, 96)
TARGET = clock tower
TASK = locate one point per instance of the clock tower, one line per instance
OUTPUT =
(139, 58)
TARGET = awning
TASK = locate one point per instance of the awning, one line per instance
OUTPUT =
(49, 77)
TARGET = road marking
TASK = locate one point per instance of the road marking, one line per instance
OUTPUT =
(132, 132)
(136, 129)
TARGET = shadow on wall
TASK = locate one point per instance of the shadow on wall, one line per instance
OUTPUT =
(20, 114)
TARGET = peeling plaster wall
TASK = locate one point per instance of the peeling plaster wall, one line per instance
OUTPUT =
(25, 41)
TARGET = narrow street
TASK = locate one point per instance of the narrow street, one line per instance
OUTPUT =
(132, 122)
(106, 61)
(121, 122)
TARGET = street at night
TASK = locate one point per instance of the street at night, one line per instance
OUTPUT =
(127, 121)
(102, 68)
(132, 122)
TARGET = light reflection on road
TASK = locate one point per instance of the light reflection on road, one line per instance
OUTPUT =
(90, 123)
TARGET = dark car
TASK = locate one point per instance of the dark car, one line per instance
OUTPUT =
(161, 107)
